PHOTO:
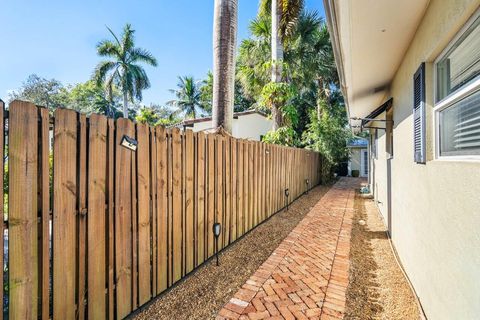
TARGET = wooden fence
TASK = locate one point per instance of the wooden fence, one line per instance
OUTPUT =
(115, 227)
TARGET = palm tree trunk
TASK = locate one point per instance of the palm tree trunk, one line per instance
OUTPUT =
(277, 59)
(224, 47)
(125, 105)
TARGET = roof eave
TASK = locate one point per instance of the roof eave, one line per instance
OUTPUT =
(329, 6)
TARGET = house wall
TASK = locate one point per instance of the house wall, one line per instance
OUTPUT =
(355, 160)
(250, 126)
(434, 215)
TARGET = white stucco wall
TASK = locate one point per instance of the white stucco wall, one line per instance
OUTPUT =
(249, 126)
(355, 160)
(435, 207)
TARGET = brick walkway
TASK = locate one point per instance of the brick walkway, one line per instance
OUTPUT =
(307, 275)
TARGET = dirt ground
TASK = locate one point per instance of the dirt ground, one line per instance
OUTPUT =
(202, 294)
(378, 288)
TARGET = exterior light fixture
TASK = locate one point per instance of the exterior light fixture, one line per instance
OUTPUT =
(217, 229)
(307, 182)
(129, 143)
(287, 193)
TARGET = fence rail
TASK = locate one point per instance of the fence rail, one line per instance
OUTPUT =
(126, 225)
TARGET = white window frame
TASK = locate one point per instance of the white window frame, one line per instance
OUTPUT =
(453, 97)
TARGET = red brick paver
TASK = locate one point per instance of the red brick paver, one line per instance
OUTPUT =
(307, 275)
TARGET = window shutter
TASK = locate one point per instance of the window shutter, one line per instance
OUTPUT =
(419, 114)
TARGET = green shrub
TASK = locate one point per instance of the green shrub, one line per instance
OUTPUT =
(355, 173)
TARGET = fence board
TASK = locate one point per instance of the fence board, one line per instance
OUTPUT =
(22, 215)
(227, 212)
(211, 192)
(153, 212)
(134, 225)
(123, 220)
(64, 213)
(250, 190)
(81, 216)
(97, 218)
(177, 204)
(189, 201)
(219, 156)
(234, 183)
(143, 196)
(200, 198)
(162, 210)
(111, 211)
(169, 207)
(44, 187)
(240, 208)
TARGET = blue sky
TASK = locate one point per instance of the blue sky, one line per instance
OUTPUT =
(57, 38)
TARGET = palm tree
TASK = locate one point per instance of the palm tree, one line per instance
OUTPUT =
(284, 15)
(188, 97)
(123, 70)
(224, 43)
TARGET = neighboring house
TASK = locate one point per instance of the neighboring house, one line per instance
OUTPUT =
(252, 125)
(358, 156)
(410, 74)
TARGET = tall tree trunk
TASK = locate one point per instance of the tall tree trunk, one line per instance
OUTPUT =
(224, 47)
(125, 105)
(277, 59)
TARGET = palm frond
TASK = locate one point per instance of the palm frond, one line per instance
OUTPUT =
(142, 55)
(128, 38)
(114, 36)
(101, 71)
(107, 48)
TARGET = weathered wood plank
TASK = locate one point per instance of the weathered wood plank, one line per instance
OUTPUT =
(234, 163)
(189, 229)
(123, 220)
(82, 216)
(219, 164)
(177, 204)
(227, 210)
(241, 179)
(262, 181)
(162, 210)
(110, 215)
(143, 196)
(211, 192)
(44, 197)
(134, 224)
(255, 184)
(153, 211)
(23, 208)
(200, 198)
(250, 191)
(65, 186)
(97, 217)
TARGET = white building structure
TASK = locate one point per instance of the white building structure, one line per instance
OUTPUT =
(251, 125)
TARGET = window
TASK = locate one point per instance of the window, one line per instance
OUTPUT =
(458, 94)
(419, 115)
(389, 132)
(374, 144)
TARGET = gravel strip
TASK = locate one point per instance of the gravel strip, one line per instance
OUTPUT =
(378, 288)
(202, 294)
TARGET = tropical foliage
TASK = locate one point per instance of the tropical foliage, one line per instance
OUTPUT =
(123, 69)
(157, 115)
(308, 98)
(188, 98)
